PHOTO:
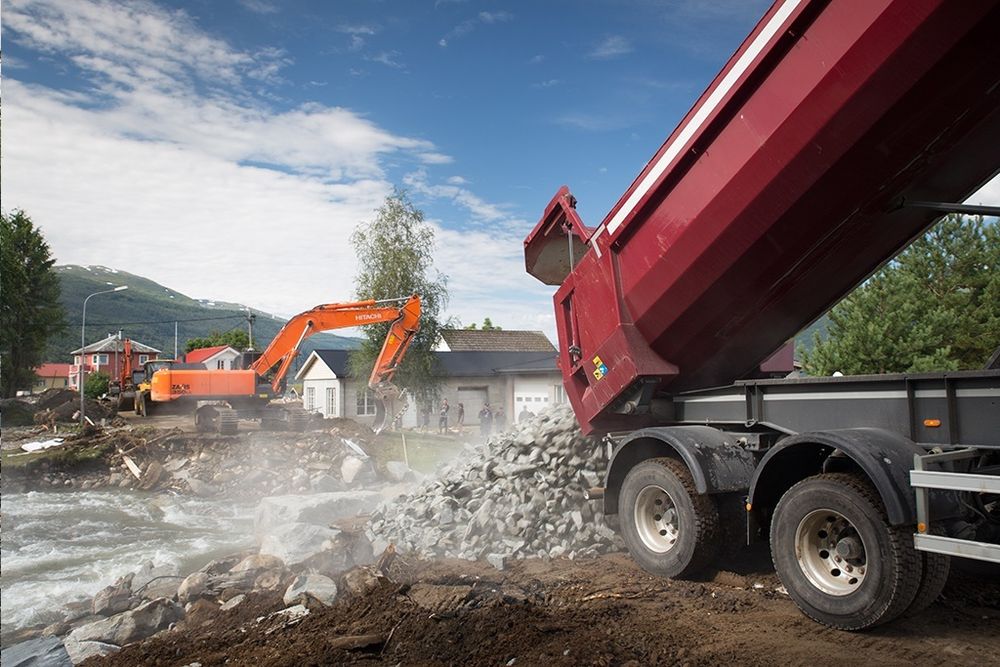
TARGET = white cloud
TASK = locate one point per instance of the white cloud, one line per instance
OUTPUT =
(259, 6)
(611, 47)
(547, 84)
(467, 26)
(387, 58)
(168, 164)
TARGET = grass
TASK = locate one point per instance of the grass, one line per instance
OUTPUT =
(426, 451)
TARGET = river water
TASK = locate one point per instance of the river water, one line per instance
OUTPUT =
(63, 547)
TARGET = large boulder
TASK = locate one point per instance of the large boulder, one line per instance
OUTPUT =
(311, 585)
(42, 652)
(79, 651)
(319, 509)
(145, 620)
(296, 542)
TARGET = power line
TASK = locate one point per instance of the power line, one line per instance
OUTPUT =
(170, 321)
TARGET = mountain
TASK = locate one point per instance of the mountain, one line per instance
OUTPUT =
(146, 312)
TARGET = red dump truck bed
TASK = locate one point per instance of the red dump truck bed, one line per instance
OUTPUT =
(782, 189)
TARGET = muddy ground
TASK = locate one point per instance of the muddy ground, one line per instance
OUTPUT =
(599, 611)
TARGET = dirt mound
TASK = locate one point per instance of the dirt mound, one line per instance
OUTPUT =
(597, 611)
(60, 405)
(16, 412)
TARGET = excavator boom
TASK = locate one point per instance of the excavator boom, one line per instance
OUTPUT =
(285, 346)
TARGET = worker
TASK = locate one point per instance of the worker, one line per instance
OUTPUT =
(524, 415)
(500, 420)
(485, 420)
(461, 417)
(443, 417)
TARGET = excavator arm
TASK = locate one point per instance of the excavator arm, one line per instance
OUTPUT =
(404, 313)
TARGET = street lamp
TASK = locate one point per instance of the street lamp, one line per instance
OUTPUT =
(83, 344)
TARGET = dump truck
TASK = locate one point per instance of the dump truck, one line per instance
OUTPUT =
(220, 398)
(835, 135)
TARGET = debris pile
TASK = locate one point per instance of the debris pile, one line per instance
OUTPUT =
(63, 405)
(518, 496)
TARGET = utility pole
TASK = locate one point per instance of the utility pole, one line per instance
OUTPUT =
(250, 320)
(175, 339)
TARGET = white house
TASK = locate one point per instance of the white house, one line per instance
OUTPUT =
(515, 381)
(220, 357)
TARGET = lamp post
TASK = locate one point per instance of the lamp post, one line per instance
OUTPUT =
(83, 344)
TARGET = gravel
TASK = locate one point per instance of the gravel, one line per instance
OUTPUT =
(519, 495)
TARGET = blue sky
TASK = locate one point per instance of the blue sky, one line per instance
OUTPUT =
(227, 148)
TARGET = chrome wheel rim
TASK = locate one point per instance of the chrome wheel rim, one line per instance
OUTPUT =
(656, 519)
(830, 552)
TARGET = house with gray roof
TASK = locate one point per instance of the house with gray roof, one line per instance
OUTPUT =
(520, 382)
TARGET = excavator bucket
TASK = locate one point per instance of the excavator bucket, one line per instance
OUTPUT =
(390, 404)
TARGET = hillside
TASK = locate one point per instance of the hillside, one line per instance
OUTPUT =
(146, 312)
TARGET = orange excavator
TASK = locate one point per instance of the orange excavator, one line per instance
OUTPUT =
(222, 397)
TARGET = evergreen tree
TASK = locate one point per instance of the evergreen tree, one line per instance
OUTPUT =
(934, 308)
(30, 312)
(395, 259)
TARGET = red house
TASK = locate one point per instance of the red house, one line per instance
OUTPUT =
(108, 356)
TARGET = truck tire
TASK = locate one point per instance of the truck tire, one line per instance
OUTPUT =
(838, 557)
(935, 575)
(668, 527)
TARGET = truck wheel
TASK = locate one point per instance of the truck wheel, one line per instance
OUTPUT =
(936, 569)
(838, 557)
(669, 528)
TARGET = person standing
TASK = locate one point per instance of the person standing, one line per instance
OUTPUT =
(461, 417)
(485, 420)
(500, 420)
(443, 417)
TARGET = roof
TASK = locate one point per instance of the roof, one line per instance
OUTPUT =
(494, 340)
(479, 363)
(453, 364)
(53, 370)
(202, 354)
(115, 344)
(335, 360)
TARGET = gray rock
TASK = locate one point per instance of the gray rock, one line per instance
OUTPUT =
(257, 562)
(200, 488)
(79, 651)
(318, 509)
(143, 621)
(497, 560)
(112, 600)
(232, 602)
(42, 652)
(295, 542)
(194, 586)
(397, 470)
(324, 483)
(311, 585)
(350, 468)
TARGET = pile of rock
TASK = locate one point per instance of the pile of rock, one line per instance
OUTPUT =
(520, 495)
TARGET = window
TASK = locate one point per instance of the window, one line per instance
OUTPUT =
(309, 403)
(76, 360)
(559, 392)
(99, 360)
(365, 402)
(221, 364)
(331, 401)
(143, 358)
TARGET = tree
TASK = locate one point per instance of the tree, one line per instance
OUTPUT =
(487, 326)
(96, 385)
(934, 308)
(238, 339)
(30, 312)
(395, 259)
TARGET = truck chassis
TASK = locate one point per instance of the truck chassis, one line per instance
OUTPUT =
(913, 481)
